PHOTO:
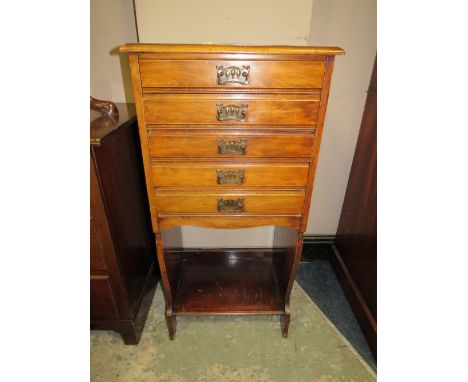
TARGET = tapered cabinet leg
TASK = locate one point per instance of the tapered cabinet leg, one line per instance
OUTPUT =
(285, 318)
(168, 239)
(171, 326)
(291, 240)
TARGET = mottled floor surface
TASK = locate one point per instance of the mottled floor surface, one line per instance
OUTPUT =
(318, 280)
(232, 349)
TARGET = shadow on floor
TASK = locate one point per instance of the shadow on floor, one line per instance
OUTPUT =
(318, 279)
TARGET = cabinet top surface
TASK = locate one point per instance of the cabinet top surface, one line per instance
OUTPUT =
(208, 48)
(101, 126)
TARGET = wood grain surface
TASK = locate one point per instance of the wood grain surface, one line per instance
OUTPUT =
(166, 143)
(272, 137)
(255, 174)
(201, 109)
(235, 49)
(255, 202)
(202, 74)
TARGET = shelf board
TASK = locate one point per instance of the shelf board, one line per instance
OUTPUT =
(223, 283)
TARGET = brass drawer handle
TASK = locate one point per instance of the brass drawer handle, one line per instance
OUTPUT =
(231, 205)
(232, 147)
(232, 112)
(233, 74)
(230, 177)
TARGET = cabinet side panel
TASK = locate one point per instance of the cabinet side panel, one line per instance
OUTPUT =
(318, 138)
(102, 301)
(120, 168)
(135, 73)
(97, 262)
(172, 239)
(357, 229)
(285, 240)
(99, 215)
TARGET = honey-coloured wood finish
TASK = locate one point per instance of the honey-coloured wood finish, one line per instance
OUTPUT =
(245, 174)
(237, 50)
(202, 109)
(199, 144)
(253, 202)
(231, 221)
(230, 138)
(261, 74)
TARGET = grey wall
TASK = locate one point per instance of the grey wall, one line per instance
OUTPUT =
(351, 25)
(112, 24)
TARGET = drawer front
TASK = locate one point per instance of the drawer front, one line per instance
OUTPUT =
(221, 74)
(235, 109)
(222, 175)
(166, 143)
(238, 202)
(102, 299)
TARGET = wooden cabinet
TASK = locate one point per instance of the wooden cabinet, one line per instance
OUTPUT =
(230, 137)
(123, 266)
(355, 259)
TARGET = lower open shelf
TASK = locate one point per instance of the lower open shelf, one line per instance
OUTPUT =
(227, 282)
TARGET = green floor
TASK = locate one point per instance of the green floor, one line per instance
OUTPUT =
(228, 349)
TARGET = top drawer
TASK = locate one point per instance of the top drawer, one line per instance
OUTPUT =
(221, 74)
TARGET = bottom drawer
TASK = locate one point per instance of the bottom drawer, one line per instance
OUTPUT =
(258, 202)
(102, 299)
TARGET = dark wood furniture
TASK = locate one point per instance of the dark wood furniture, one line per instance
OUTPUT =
(123, 266)
(355, 259)
(230, 138)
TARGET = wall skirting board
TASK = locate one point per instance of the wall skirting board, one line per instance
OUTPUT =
(317, 247)
(323, 248)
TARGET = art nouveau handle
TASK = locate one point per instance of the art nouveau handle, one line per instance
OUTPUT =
(236, 205)
(232, 147)
(232, 112)
(230, 177)
(232, 74)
